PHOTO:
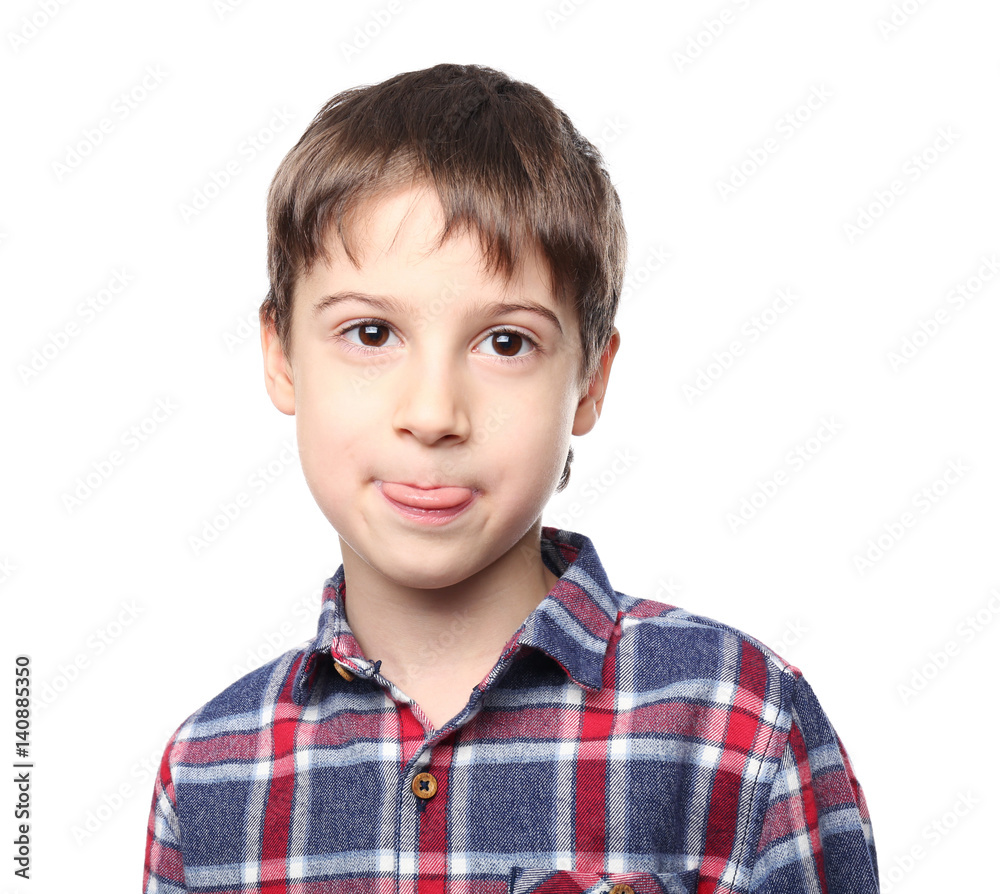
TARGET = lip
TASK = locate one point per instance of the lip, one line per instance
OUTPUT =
(431, 506)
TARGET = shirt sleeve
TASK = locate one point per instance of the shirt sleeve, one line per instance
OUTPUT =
(816, 834)
(164, 869)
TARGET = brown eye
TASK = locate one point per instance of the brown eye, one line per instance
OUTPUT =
(507, 344)
(373, 336)
(369, 336)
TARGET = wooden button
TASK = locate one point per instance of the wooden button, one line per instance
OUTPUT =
(424, 785)
(622, 889)
(343, 671)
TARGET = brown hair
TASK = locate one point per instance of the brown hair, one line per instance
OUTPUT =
(506, 164)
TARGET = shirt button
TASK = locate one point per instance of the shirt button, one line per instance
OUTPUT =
(343, 671)
(622, 889)
(424, 785)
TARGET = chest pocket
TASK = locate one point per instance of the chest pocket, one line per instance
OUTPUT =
(548, 881)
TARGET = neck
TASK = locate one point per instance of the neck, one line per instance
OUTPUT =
(423, 636)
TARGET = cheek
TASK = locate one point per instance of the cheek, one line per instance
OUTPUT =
(530, 443)
(330, 428)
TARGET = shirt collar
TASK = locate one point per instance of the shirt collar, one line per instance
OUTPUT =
(572, 624)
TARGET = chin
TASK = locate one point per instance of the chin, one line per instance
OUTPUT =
(420, 577)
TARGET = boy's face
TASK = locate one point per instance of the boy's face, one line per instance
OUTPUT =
(441, 388)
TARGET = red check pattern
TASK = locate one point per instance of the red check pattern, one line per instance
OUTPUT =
(615, 741)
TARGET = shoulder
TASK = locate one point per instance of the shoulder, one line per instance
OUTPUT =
(670, 654)
(242, 711)
(666, 653)
(653, 625)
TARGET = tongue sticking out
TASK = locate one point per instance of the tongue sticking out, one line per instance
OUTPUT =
(436, 498)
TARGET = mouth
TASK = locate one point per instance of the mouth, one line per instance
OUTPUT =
(432, 505)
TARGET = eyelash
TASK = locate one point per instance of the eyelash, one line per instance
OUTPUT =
(372, 321)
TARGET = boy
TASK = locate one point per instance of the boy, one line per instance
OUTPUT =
(480, 710)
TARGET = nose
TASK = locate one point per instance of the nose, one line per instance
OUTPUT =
(433, 402)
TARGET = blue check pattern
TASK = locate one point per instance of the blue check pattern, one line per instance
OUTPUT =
(616, 742)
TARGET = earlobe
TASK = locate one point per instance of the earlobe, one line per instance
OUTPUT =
(277, 371)
(588, 410)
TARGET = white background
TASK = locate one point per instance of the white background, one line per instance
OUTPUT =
(130, 628)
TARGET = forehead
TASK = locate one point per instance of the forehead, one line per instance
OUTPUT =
(406, 222)
(397, 234)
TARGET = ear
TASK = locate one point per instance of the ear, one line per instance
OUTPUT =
(277, 369)
(589, 409)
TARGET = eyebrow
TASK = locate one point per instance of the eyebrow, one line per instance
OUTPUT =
(387, 303)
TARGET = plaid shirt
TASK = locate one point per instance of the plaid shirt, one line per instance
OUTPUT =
(618, 744)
